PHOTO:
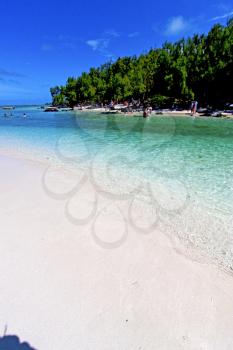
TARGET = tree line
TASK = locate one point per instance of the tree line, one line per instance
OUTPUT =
(199, 67)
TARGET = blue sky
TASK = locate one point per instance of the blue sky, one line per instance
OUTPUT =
(44, 42)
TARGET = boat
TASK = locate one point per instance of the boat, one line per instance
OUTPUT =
(51, 109)
(65, 109)
(119, 107)
(9, 108)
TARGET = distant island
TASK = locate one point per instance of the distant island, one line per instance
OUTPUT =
(199, 68)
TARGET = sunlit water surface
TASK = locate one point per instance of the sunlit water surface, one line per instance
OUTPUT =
(184, 163)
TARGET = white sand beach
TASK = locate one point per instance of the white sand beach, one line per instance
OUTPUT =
(60, 288)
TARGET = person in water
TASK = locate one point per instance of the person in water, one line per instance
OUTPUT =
(145, 113)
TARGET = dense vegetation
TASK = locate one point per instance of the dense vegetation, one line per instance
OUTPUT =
(198, 68)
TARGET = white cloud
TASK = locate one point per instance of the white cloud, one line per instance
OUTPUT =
(226, 15)
(98, 44)
(133, 35)
(112, 33)
(102, 44)
(176, 25)
(59, 42)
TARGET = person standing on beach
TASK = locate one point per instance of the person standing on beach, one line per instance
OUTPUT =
(194, 105)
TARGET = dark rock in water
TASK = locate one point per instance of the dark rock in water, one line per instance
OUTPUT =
(12, 342)
(213, 114)
(206, 114)
(217, 115)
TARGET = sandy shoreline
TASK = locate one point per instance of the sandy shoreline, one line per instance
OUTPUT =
(66, 285)
(165, 113)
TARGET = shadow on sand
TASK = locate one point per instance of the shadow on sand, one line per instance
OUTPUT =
(12, 342)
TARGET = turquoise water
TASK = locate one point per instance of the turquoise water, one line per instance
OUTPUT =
(193, 158)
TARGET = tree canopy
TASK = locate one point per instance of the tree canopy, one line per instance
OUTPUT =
(198, 68)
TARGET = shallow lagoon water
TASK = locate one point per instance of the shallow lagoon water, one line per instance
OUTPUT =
(185, 163)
